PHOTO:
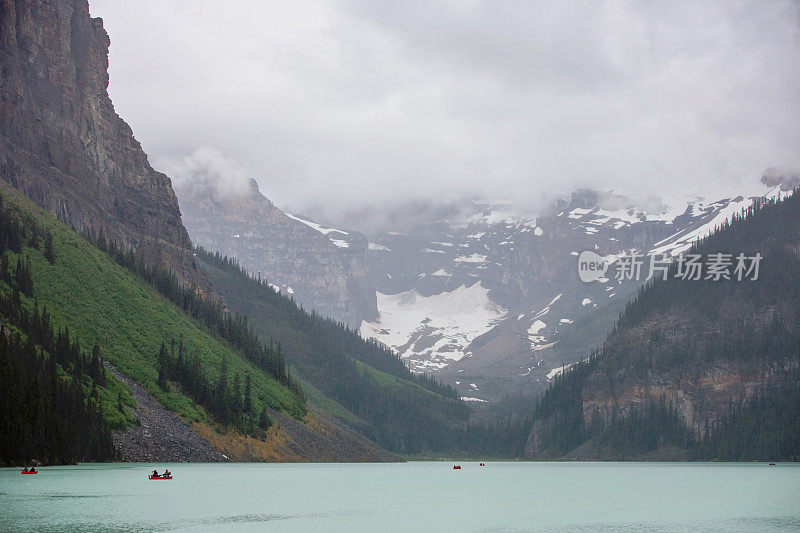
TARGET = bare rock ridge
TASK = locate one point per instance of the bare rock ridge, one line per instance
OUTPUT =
(324, 269)
(62, 143)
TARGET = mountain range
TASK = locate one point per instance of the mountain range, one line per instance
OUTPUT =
(484, 298)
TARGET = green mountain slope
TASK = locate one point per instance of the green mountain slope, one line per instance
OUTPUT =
(699, 369)
(104, 303)
(50, 404)
(407, 413)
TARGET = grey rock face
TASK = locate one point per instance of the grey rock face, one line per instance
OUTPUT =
(62, 143)
(324, 269)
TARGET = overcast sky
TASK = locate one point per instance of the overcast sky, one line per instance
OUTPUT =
(349, 103)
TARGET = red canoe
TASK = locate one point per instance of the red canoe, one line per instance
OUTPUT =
(24, 472)
(159, 477)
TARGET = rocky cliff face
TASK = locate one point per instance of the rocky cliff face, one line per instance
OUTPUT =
(701, 397)
(61, 141)
(324, 269)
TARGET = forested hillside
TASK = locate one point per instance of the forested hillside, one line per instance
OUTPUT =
(370, 386)
(62, 291)
(49, 385)
(405, 412)
(60, 294)
(701, 369)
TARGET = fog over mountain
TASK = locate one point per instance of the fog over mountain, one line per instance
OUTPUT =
(349, 105)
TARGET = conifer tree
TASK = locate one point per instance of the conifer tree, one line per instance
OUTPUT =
(162, 367)
(248, 394)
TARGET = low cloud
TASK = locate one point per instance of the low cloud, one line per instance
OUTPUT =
(349, 104)
(785, 178)
(206, 168)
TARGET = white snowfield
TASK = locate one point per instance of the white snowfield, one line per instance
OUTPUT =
(538, 342)
(472, 399)
(322, 229)
(677, 244)
(631, 215)
(558, 371)
(285, 289)
(474, 258)
(505, 215)
(561, 369)
(536, 327)
(431, 331)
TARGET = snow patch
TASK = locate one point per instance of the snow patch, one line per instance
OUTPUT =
(536, 327)
(474, 258)
(558, 371)
(432, 331)
(681, 242)
(318, 227)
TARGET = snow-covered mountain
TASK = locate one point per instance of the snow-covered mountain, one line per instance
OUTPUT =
(483, 296)
(491, 302)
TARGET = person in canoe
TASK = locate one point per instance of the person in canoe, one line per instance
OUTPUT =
(25, 469)
(32, 470)
(167, 473)
(155, 473)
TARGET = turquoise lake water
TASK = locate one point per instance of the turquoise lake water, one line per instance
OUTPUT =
(415, 496)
